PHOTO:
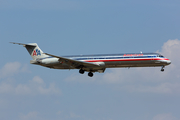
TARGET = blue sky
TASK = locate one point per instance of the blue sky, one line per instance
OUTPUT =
(29, 92)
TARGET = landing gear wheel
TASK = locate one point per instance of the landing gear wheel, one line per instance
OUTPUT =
(81, 71)
(90, 74)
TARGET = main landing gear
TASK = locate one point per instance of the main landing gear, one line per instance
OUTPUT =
(162, 69)
(81, 71)
(90, 74)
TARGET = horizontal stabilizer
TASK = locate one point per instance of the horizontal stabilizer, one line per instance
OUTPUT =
(23, 44)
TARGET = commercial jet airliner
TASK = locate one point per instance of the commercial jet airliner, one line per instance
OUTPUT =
(94, 63)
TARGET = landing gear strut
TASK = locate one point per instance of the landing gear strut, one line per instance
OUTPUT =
(81, 71)
(162, 69)
(90, 74)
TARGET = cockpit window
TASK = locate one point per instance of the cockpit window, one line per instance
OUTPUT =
(160, 56)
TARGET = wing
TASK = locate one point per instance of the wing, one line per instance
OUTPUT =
(75, 63)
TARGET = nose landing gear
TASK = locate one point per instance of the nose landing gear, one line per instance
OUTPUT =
(162, 69)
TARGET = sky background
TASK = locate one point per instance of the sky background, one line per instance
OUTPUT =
(74, 27)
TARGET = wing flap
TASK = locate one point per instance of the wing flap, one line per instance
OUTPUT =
(74, 63)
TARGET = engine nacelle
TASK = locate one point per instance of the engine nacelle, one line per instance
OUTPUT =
(50, 61)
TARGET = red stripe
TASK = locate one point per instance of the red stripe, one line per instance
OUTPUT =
(114, 60)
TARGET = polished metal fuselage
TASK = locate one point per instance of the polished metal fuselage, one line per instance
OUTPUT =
(108, 61)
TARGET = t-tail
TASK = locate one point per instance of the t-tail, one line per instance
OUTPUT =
(34, 50)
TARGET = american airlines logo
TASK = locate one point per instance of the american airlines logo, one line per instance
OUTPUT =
(36, 52)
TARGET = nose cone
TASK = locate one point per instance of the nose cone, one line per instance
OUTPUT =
(168, 62)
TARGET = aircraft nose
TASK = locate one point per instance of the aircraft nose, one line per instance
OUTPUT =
(168, 62)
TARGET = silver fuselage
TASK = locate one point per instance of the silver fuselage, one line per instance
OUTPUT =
(107, 61)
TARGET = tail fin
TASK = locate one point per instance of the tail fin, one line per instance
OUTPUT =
(34, 50)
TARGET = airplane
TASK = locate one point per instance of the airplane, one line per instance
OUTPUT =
(94, 63)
